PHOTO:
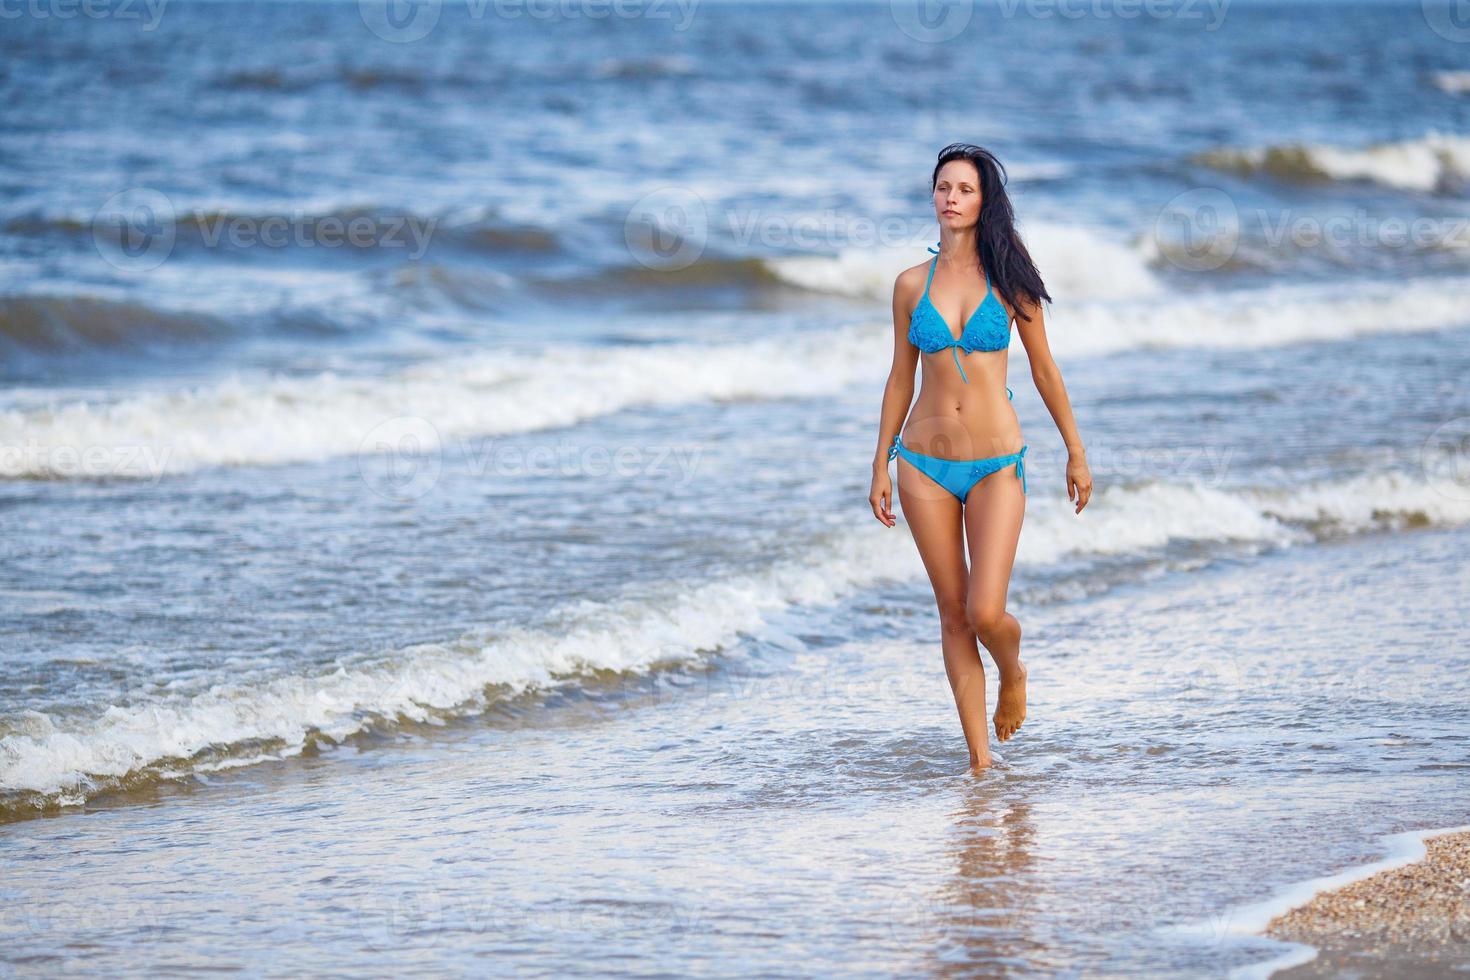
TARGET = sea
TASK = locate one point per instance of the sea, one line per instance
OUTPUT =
(435, 440)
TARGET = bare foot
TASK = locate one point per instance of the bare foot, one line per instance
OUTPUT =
(1010, 704)
(979, 764)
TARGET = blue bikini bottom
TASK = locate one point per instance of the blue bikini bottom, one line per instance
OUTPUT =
(958, 476)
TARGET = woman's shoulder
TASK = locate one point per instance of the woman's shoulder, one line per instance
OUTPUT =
(909, 283)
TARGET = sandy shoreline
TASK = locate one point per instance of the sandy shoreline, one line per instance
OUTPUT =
(1408, 921)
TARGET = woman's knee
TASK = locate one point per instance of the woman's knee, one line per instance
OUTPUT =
(986, 619)
(953, 617)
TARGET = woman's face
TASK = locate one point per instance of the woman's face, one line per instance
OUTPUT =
(957, 195)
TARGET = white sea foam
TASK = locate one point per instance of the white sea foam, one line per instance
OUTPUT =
(279, 420)
(1079, 264)
(1250, 920)
(66, 760)
(428, 680)
(1435, 161)
(1453, 82)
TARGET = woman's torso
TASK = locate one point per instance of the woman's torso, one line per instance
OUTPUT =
(962, 416)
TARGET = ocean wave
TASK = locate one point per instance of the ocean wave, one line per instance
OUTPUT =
(476, 229)
(1258, 318)
(1452, 82)
(38, 327)
(1129, 519)
(43, 763)
(714, 272)
(238, 422)
(665, 66)
(50, 761)
(1077, 263)
(277, 420)
(274, 78)
(423, 77)
(430, 285)
(1436, 162)
(57, 324)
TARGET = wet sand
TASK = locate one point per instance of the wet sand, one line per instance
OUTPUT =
(1410, 921)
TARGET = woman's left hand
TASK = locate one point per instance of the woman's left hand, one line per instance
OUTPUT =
(1079, 480)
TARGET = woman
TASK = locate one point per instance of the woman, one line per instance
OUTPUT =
(962, 473)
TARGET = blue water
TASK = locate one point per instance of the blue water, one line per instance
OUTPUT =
(433, 477)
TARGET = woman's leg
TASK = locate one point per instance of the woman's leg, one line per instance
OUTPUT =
(933, 515)
(994, 510)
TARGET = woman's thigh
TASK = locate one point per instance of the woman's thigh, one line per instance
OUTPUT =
(934, 517)
(994, 511)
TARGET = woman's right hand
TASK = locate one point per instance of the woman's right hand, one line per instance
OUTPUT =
(881, 497)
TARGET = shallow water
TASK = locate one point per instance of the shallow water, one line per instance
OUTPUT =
(515, 606)
(802, 800)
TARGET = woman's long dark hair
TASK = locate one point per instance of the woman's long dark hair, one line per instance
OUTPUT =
(1003, 255)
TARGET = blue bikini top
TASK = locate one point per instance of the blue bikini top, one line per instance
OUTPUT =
(989, 327)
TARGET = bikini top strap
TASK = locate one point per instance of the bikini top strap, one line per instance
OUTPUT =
(931, 274)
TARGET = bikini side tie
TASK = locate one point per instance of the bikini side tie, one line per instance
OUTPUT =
(980, 471)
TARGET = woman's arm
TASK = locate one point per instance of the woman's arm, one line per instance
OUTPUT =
(1053, 390)
(898, 393)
